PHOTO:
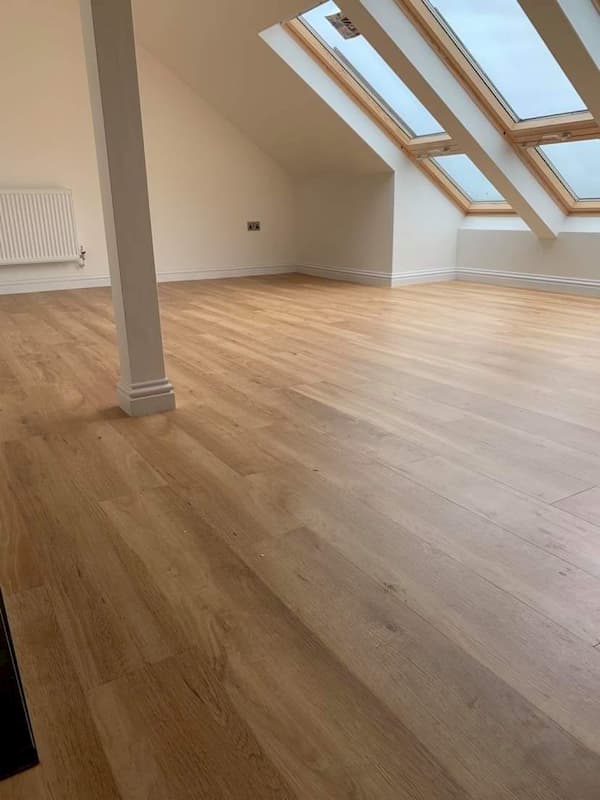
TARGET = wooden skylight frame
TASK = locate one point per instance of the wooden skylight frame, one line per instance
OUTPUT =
(523, 135)
(417, 148)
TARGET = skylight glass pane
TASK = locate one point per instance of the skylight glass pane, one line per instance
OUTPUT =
(469, 179)
(508, 51)
(577, 164)
(360, 58)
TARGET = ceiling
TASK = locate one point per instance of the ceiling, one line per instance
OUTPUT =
(216, 49)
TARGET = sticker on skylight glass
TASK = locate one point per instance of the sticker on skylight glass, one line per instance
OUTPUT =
(343, 25)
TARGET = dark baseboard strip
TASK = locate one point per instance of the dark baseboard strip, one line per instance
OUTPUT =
(17, 746)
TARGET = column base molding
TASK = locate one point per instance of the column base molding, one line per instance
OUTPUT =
(146, 397)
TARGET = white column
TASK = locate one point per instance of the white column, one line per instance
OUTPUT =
(114, 92)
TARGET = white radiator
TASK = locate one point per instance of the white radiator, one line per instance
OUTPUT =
(37, 226)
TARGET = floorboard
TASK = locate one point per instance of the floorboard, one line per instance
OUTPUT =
(360, 560)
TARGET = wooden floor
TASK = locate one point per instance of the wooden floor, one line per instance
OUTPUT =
(361, 560)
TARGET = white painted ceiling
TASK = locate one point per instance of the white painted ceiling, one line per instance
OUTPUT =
(214, 47)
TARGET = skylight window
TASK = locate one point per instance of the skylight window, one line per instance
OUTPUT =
(468, 178)
(495, 51)
(368, 67)
(577, 164)
(509, 54)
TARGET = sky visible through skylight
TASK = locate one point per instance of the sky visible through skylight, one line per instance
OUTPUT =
(367, 62)
(500, 38)
(469, 178)
(578, 163)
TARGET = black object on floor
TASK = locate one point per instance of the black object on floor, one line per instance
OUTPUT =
(17, 747)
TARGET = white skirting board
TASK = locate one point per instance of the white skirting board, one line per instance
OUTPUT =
(423, 276)
(372, 278)
(221, 272)
(368, 277)
(52, 284)
(524, 280)
(80, 281)
(553, 283)
(546, 283)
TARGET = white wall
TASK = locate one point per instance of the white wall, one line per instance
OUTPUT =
(206, 179)
(425, 228)
(46, 128)
(345, 226)
(384, 229)
(389, 229)
(215, 47)
(504, 250)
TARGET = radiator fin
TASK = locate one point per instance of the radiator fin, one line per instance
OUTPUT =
(37, 226)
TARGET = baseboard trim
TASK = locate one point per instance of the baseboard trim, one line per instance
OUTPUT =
(54, 284)
(366, 277)
(525, 280)
(385, 279)
(423, 276)
(221, 272)
(547, 283)
(59, 283)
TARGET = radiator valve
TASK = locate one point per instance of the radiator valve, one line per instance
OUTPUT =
(82, 255)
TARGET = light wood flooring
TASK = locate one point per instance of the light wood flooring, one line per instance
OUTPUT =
(360, 561)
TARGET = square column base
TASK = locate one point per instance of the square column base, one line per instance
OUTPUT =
(148, 397)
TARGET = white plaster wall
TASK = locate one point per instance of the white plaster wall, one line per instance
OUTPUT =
(46, 127)
(215, 47)
(206, 179)
(426, 224)
(505, 245)
(385, 228)
(345, 226)
(342, 219)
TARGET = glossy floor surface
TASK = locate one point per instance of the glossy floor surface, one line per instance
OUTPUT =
(361, 559)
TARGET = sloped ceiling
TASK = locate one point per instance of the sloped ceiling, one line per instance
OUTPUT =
(215, 48)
